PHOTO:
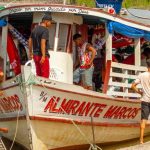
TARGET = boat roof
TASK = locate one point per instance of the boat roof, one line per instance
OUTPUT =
(138, 15)
(78, 10)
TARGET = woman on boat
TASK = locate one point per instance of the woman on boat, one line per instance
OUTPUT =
(86, 55)
(144, 80)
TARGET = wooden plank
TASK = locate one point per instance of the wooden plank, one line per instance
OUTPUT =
(123, 94)
(127, 85)
(137, 50)
(107, 76)
(121, 75)
(128, 67)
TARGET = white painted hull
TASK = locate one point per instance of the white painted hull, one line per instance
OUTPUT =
(113, 119)
(22, 132)
(56, 135)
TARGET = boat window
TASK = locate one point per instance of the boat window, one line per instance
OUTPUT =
(52, 31)
(63, 37)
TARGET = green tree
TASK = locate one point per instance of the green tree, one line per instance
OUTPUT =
(137, 3)
(126, 3)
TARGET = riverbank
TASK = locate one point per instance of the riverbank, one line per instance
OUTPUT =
(125, 145)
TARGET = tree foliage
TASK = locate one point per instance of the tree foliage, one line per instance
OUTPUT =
(137, 3)
(126, 3)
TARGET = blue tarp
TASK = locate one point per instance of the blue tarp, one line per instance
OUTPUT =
(127, 30)
(3, 22)
(147, 35)
(116, 4)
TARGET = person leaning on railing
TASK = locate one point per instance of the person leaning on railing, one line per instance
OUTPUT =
(144, 80)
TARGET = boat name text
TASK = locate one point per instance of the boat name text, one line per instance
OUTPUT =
(10, 104)
(88, 109)
(50, 9)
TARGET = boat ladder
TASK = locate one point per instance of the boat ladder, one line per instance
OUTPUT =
(2, 146)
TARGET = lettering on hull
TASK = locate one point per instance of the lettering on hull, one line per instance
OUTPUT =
(75, 107)
(50, 9)
(10, 104)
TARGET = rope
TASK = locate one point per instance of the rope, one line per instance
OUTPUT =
(19, 80)
(94, 147)
(32, 78)
(17, 123)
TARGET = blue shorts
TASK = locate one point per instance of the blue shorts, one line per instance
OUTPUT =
(83, 75)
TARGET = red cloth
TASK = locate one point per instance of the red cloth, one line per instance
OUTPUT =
(121, 43)
(130, 60)
(114, 58)
(13, 55)
(42, 70)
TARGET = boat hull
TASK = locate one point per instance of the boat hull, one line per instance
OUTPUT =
(59, 115)
(62, 116)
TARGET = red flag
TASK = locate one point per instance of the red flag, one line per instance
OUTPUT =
(13, 55)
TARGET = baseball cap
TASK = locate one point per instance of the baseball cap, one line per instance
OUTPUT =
(47, 17)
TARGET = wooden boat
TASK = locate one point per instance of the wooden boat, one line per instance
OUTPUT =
(54, 113)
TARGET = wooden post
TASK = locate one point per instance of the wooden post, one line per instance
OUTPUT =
(108, 45)
(3, 48)
(56, 37)
(137, 52)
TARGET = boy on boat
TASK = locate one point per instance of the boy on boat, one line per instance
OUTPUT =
(144, 80)
(39, 39)
(86, 55)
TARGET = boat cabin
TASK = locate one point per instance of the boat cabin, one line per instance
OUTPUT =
(118, 59)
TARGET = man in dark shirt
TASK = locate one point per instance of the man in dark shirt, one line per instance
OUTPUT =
(39, 41)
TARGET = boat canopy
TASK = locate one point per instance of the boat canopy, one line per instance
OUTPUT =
(118, 28)
(127, 30)
(3, 22)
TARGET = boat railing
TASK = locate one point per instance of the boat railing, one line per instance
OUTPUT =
(119, 78)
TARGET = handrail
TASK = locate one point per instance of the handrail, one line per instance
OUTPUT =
(119, 77)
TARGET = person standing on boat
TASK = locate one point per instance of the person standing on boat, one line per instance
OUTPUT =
(86, 55)
(39, 41)
(144, 80)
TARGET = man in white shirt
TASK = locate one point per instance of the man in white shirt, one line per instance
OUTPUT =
(144, 80)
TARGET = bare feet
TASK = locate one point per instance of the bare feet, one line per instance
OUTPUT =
(141, 141)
